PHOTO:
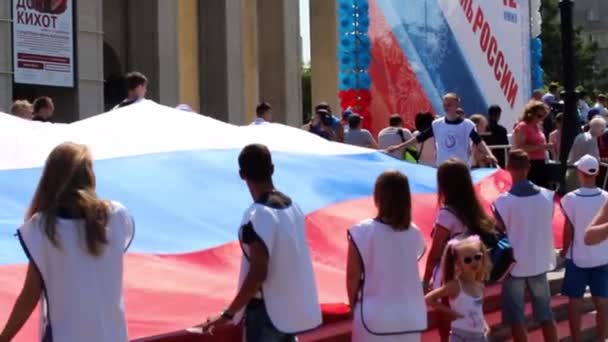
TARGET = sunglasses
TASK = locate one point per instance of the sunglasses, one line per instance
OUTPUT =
(468, 260)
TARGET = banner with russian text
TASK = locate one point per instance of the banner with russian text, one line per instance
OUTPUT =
(425, 48)
(43, 42)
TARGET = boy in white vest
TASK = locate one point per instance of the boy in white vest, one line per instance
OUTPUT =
(277, 292)
(453, 135)
(526, 213)
(585, 265)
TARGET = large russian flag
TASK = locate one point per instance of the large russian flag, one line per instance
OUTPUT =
(177, 173)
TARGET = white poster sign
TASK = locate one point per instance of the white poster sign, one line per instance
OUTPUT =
(43, 42)
(494, 36)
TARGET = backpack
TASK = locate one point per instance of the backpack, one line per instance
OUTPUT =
(501, 255)
(499, 249)
(410, 154)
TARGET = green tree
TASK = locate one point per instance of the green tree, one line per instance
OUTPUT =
(590, 74)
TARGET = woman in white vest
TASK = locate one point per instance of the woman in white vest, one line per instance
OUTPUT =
(75, 244)
(460, 213)
(383, 282)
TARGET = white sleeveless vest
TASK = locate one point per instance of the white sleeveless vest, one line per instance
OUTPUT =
(453, 140)
(289, 291)
(82, 298)
(391, 300)
(529, 224)
(580, 207)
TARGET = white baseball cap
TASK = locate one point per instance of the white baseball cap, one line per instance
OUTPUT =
(588, 164)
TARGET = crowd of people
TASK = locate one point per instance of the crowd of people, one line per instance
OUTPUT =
(70, 231)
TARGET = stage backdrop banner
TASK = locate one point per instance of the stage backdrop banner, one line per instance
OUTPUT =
(424, 49)
(43, 42)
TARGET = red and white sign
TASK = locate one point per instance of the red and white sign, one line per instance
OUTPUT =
(43, 42)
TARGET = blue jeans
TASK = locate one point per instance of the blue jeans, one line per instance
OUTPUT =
(513, 299)
(259, 327)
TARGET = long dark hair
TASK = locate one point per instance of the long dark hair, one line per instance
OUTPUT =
(68, 183)
(393, 200)
(456, 191)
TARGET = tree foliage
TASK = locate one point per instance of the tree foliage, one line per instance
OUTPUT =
(591, 76)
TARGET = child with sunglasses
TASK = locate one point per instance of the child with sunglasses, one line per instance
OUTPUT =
(465, 266)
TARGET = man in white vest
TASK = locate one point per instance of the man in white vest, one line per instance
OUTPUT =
(526, 213)
(453, 135)
(586, 266)
(277, 292)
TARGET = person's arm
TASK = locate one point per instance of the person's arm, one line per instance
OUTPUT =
(24, 305)
(597, 232)
(258, 235)
(258, 271)
(519, 141)
(567, 236)
(482, 147)
(449, 290)
(372, 142)
(416, 139)
(353, 274)
(440, 239)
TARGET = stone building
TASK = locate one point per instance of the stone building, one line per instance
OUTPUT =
(219, 56)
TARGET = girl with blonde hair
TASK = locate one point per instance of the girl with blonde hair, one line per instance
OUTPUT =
(466, 266)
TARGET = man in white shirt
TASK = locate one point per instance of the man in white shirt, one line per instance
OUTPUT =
(526, 214)
(586, 266)
(263, 114)
(394, 134)
(453, 135)
(277, 293)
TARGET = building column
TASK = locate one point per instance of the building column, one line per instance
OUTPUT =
(167, 51)
(189, 84)
(250, 58)
(324, 51)
(89, 54)
(6, 58)
(143, 42)
(279, 59)
(222, 69)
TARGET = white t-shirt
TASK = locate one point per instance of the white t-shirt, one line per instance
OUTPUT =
(529, 224)
(391, 300)
(580, 207)
(289, 291)
(390, 136)
(448, 220)
(259, 121)
(452, 140)
(83, 298)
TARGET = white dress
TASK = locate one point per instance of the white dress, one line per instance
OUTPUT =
(391, 303)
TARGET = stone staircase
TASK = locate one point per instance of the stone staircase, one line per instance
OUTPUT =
(340, 332)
